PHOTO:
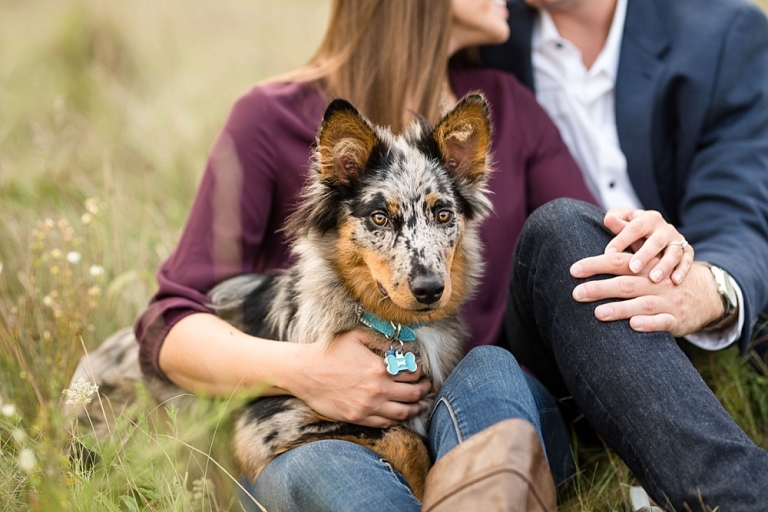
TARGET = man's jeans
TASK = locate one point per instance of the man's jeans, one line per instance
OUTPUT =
(637, 390)
(486, 387)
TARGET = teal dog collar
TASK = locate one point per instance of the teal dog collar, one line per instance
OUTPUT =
(395, 360)
(392, 330)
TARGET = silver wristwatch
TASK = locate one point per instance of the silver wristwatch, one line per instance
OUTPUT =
(727, 294)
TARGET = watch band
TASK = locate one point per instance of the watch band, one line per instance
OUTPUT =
(728, 296)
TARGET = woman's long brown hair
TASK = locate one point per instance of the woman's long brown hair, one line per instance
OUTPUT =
(384, 56)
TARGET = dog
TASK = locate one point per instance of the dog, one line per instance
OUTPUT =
(385, 238)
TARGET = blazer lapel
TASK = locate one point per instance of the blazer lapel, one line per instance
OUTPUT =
(639, 74)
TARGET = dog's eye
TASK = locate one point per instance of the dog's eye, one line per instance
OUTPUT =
(379, 219)
(444, 216)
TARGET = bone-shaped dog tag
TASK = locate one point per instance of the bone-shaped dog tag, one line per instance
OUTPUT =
(396, 362)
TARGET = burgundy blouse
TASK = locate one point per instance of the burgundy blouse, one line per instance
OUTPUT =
(258, 165)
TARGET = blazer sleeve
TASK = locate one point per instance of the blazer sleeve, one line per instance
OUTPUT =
(724, 208)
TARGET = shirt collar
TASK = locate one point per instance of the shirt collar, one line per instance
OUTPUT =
(545, 34)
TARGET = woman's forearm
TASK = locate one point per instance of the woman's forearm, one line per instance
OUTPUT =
(204, 354)
(344, 381)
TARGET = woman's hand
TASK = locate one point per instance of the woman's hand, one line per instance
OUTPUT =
(649, 236)
(348, 382)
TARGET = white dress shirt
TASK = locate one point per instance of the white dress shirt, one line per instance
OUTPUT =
(581, 102)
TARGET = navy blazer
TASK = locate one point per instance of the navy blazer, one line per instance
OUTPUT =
(692, 120)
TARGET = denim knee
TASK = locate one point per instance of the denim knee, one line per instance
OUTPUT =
(564, 221)
(555, 236)
(493, 359)
(489, 386)
(331, 475)
(494, 368)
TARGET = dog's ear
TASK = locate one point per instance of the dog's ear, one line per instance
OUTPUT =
(344, 144)
(464, 138)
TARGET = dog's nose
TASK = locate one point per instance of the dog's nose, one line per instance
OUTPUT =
(427, 289)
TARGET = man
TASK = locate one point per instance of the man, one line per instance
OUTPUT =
(664, 105)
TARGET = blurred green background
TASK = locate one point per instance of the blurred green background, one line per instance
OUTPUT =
(121, 101)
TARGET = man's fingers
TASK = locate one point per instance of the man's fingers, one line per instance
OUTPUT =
(615, 263)
(620, 287)
(645, 305)
(663, 322)
(646, 314)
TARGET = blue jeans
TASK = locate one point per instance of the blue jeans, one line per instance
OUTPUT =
(486, 387)
(638, 391)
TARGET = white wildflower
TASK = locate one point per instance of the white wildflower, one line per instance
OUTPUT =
(27, 460)
(8, 410)
(81, 392)
(96, 270)
(200, 488)
(73, 257)
(1, 267)
(18, 435)
(92, 205)
(86, 218)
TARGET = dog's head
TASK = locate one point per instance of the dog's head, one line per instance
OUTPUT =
(397, 215)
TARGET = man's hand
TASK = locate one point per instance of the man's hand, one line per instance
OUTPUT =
(663, 306)
(348, 382)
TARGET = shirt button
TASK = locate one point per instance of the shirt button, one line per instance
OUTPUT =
(611, 184)
(558, 45)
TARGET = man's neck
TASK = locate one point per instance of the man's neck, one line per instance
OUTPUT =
(585, 23)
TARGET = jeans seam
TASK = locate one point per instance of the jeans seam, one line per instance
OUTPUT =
(454, 419)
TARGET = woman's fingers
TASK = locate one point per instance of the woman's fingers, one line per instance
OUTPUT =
(676, 262)
(651, 238)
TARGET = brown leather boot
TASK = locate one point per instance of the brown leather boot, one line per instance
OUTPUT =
(501, 468)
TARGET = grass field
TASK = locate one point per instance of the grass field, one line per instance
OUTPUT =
(107, 112)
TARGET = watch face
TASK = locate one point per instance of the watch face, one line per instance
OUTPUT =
(719, 278)
(731, 291)
(725, 286)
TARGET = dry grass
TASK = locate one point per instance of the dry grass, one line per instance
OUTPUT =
(107, 111)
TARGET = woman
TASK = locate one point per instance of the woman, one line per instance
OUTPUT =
(388, 58)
